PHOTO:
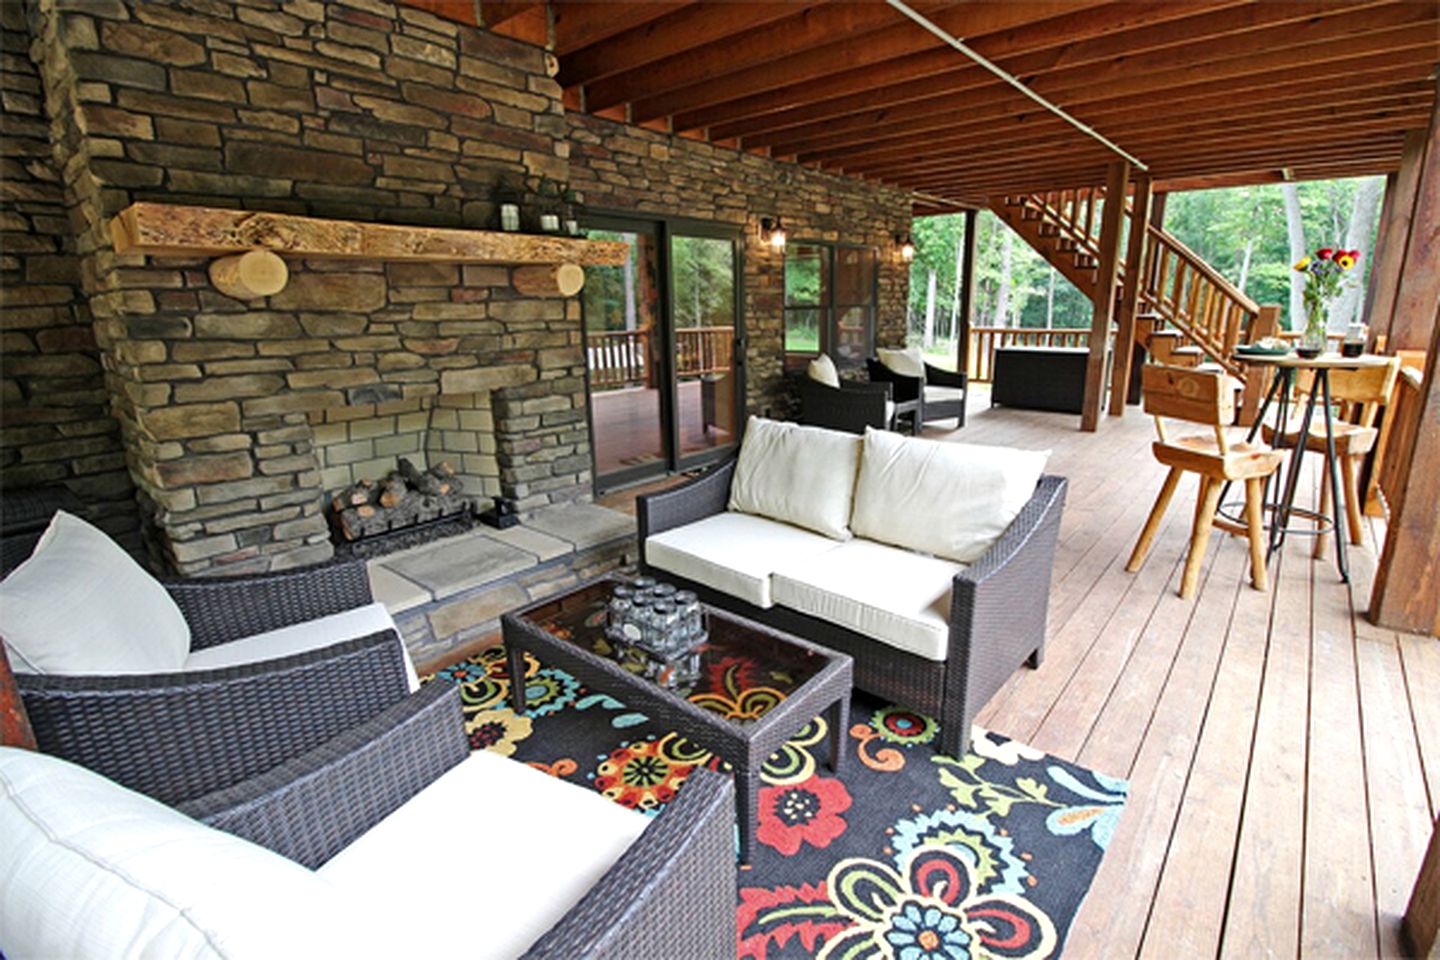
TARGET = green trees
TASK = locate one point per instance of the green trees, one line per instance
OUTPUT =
(1241, 232)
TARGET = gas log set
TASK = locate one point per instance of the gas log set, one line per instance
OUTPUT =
(407, 498)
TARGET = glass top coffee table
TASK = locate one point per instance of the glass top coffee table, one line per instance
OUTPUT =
(757, 687)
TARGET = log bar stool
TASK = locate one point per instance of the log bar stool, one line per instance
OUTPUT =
(1206, 398)
(1359, 393)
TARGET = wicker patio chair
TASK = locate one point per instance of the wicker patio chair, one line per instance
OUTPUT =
(936, 396)
(998, 608)
(851, 407)
(671, 894)
(179, 735)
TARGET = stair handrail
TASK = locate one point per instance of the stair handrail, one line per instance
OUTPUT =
(1199, 264)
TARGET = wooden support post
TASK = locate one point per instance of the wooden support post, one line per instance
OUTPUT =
(1387, 213)
(1418, 294)
(1393, 241)
(1157, 209)
(1257, 378)
(1104, 299)
(1406, 595)
(967, 293)
(1130, 296)
(1422, 916)
(14, 724)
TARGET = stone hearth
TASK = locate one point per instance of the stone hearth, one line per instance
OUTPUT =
(450, 593)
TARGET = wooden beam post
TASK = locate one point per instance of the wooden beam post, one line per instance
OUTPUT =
(1406, 595)
(1393, 240)
(1130, 295)
(14, 723)
(967, 293)
(1422, 916)
(1112, 219)
(1418, 295)
(1387, 213)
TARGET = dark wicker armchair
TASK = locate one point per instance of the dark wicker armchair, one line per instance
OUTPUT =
(175, 736)
(934, 395)
(998, 608)
(318, 802)
(851, 407)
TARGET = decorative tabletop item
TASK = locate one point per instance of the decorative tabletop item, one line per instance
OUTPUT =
(1325, 277)
(655, 629)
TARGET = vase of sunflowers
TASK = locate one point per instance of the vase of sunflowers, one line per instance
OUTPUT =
(1326, 275)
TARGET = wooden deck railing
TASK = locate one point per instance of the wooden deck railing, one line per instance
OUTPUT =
(1402, 424)
(619, 358)
(985, 340)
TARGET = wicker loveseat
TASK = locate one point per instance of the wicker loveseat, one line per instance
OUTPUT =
(389, 840)
(936, 634)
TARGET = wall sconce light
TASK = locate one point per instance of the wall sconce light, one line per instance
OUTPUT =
(772, 231)
(906, 246)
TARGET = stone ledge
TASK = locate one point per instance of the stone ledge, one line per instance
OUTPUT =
(447, 594)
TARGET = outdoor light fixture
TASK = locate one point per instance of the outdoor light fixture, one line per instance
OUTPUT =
(906, 246)
(772, 231)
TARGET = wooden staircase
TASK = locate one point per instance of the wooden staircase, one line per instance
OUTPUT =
(1187, 313)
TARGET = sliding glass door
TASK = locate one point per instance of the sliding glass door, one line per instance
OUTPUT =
(664, 349)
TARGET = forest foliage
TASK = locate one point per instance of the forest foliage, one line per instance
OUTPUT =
(1242, 232)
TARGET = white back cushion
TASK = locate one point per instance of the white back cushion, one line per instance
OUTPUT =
(82, 605)
(799, 475)
(949, 499)
(907, 363)
(822, 368)
(91, 869)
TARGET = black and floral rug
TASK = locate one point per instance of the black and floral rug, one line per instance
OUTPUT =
(906, 854)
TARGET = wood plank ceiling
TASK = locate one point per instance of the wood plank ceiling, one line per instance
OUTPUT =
(1205, 92)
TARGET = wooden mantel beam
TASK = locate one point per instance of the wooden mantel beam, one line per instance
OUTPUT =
(161, 229)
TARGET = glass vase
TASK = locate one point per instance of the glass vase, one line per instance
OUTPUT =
(1312, 338)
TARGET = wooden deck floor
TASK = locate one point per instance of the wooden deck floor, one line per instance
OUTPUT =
(1283, 753)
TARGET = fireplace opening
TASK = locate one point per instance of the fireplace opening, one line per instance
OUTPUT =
(400, 474)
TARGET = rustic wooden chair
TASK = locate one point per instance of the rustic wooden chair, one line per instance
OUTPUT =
(1359, 394)
(1203, 397)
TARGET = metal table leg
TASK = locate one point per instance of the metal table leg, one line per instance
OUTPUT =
(1331, 471)
(1292, 477)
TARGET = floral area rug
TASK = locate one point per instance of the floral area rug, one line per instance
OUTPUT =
(905, 854)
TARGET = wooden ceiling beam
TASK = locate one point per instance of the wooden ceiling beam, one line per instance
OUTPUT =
(1162, 156)
(1079, 170)
(1107, 64)
(1095, 106)
(1264, 175)
(672, 35)
(579, 23)
(495, 12)
(687, 87)
(808, 29)
(1135, 130)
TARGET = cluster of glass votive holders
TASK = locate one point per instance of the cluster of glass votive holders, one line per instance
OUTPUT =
(656, 629)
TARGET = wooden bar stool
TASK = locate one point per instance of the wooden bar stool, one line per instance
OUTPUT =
(1359, 394)
(1203, 397)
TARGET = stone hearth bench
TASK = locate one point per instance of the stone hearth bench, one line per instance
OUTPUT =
(449, 593)
(928, 563)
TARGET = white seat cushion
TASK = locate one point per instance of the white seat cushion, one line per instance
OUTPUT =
(799, 475)
(952, 500)
(91, 869)
(822, 369)
(734, 553)
(892, 595)
(551, 842)
(943, 394)
(300, 638)
(82, 605)
(907, 363)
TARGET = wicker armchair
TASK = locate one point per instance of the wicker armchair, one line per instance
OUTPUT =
(997, 611)
(317, 803)
(934, 396)
(851, 407)
(158, 733)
